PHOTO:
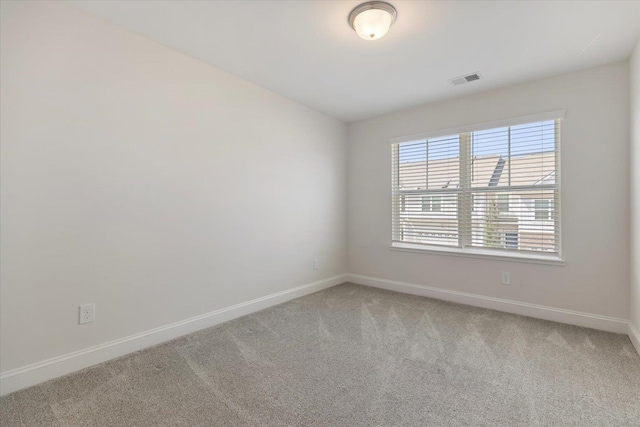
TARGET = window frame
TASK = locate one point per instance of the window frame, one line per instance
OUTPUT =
(465, 208)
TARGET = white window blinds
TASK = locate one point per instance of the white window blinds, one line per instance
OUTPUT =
(494, 188)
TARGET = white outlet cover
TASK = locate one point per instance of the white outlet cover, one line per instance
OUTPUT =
(506, 278)
(87, 313)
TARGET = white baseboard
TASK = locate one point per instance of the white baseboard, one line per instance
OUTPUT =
(39, 372)
(634, 336)
(594, 321)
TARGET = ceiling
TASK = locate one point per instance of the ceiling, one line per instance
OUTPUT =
(306, 51)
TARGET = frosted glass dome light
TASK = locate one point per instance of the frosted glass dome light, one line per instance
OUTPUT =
(372, 20)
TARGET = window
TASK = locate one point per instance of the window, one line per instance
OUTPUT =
(494, 188)
(431, 204)
(503, 202)
(543, 209)
(511, 240)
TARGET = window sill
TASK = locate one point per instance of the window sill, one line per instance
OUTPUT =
(477, 253)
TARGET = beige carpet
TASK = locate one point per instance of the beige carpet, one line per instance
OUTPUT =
(355, 356)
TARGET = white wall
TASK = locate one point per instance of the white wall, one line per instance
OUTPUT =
(150, 183)
(635, 195)
(595, 195)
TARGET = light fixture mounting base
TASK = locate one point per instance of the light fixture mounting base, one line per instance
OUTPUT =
(373, 5)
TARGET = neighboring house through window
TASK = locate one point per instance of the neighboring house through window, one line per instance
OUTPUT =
(488, 188)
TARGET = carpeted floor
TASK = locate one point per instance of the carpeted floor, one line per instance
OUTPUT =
(355, 356)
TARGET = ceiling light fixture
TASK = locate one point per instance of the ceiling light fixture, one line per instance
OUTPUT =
(373, 19)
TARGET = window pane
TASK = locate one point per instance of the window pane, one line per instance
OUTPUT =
(521, 155)
(489, 153)
(509, 193)
(432, 164)
(530, 224)
(429, 219)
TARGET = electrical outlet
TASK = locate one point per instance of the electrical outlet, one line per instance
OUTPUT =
(315, 263)
(87, 313)
(506, 278)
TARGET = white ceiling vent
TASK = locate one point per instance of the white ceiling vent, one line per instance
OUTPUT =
(457, 81)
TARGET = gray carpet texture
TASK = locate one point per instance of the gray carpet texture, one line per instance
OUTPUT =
(354, 356)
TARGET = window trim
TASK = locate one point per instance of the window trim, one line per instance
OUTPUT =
(475, 252)
(492, 254)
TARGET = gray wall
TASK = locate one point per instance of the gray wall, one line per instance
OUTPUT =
(150, 183)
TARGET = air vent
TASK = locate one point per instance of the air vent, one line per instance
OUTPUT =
(457, 81)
